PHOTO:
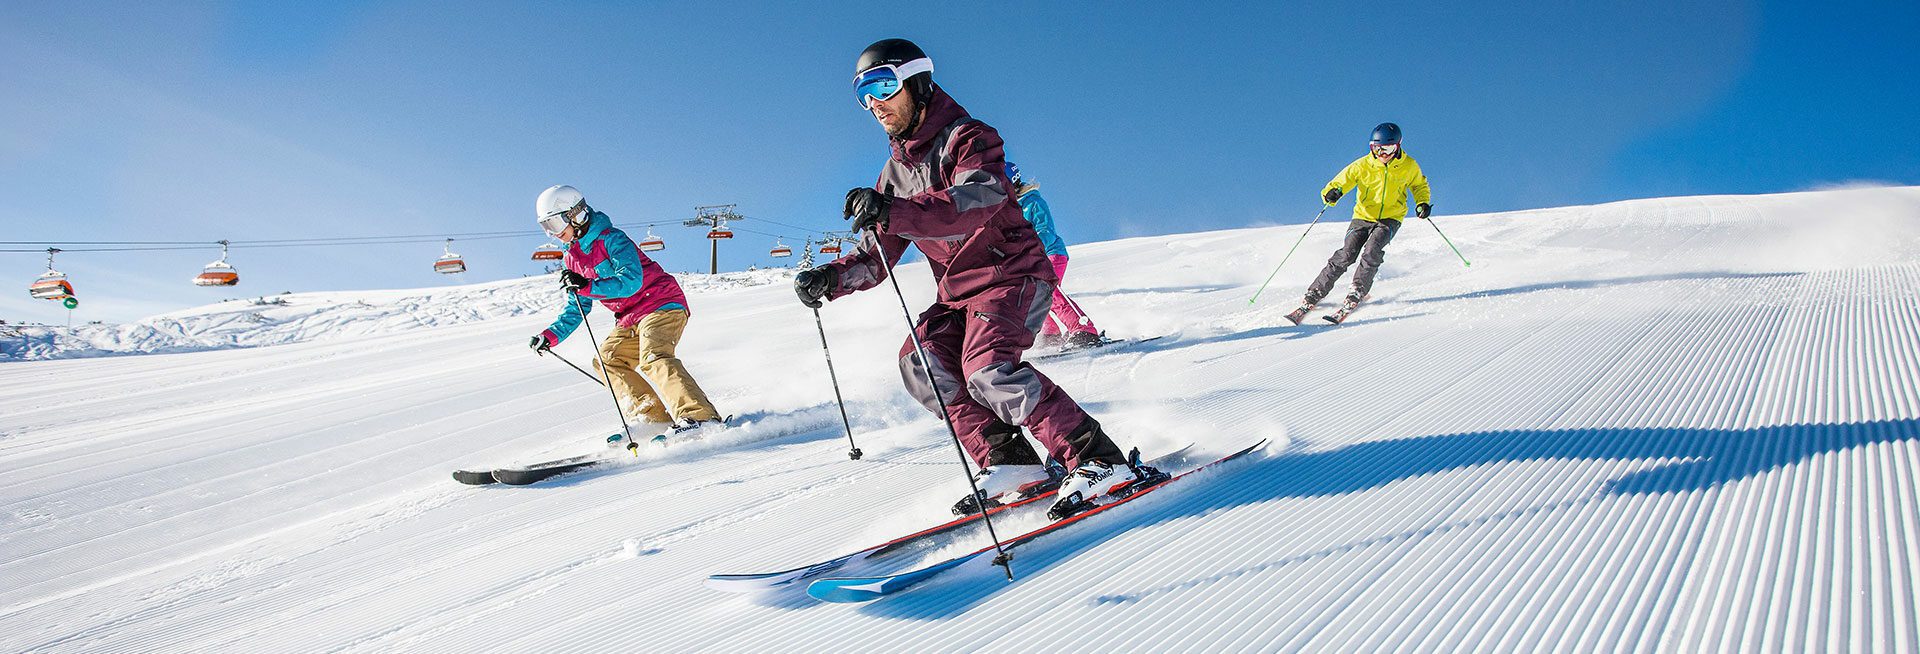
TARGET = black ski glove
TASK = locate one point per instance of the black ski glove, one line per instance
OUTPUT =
(572, 281)
(867, 208)
(813, 284)
(1422, 210)
(539, 343)
(1333, 195)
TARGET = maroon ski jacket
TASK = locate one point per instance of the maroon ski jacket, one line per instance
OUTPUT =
(951, 199)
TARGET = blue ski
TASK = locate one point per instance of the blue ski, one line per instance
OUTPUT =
(864, 589)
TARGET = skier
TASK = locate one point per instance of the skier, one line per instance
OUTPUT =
(649, 313)
(1382, 178)
(1067, 326)
(945, 191)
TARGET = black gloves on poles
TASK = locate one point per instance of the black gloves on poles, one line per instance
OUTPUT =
(1333, 195)
(572, 281)
(813, 284)
(867, 208)
(1422, 210)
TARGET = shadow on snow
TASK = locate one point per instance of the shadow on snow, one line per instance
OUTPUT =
(1695, 459)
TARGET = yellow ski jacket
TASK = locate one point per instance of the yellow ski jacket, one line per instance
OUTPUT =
(1379, 191)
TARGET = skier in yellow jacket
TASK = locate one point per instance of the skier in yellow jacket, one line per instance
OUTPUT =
(1379, 181)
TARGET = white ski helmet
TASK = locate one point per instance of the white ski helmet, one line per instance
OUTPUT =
(552, 207)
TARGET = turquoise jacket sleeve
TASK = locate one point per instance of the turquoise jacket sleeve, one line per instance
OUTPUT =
(570, 317)
(1035, 209)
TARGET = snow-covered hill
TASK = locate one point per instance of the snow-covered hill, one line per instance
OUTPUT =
(1682, 424)
(301, 317)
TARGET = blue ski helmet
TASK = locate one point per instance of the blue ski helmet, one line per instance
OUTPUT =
(1385, 134)
(1013, 173)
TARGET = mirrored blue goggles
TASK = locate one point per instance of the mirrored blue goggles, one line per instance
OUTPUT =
(881, 83)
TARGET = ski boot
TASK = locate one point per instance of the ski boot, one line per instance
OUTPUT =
(618, 439)
(1084, 341)
(1306, 304)
(683, 430)
(1346, 309)
(1000, 484)
(1096, 479)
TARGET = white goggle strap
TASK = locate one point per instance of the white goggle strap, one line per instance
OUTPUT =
(911, 68)
(903, 70)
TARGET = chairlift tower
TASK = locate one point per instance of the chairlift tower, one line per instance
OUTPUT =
(715, 219)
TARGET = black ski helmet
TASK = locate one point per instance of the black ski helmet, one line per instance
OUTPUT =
(895, 52)
(1385, 134)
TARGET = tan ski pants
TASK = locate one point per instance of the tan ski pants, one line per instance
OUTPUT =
(647, 349)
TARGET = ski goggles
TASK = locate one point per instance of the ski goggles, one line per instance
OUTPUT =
(882, 82)
(1386, 148)
(557, 222)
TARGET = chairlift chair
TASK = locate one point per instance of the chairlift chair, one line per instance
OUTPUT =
(52, 284)
(449, 263)
(780, 249)
(652, 243)
(218, 273)
(549, 252)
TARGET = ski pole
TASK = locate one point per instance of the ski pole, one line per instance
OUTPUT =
(556, 355)
(1283, 260)
(854, 452)
(1004, 560)
(632, 446)
(1443, 237)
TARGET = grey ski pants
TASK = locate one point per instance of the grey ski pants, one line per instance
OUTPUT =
(1367, 242)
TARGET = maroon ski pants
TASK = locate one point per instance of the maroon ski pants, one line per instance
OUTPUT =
(975, 347)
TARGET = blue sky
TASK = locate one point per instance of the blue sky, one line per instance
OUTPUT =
(202, 121)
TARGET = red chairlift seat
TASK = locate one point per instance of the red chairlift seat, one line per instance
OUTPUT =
(781, 250)
(718, 234)
(218, 273)
(830, 248)
(549, 252)
(449, 264)
(51, 285)
(652, 243)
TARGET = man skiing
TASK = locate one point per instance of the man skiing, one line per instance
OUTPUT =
(945, 191)
(1382, 178)
(1067, 326)
(649, 310)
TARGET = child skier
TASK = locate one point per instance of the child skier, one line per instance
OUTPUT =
(944, 190)
(649, 310)
(1382, 178)
(1067, 326)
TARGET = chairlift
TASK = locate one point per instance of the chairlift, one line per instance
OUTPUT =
(652, 243)
(830, 247)
(218, 273)
(549, 252)
(52, 284)
(780, 249)
(450, 263)
(720, 233)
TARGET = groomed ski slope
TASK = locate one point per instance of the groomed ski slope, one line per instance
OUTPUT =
(1680, 424)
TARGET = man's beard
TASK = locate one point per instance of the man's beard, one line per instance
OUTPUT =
(907, 128)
